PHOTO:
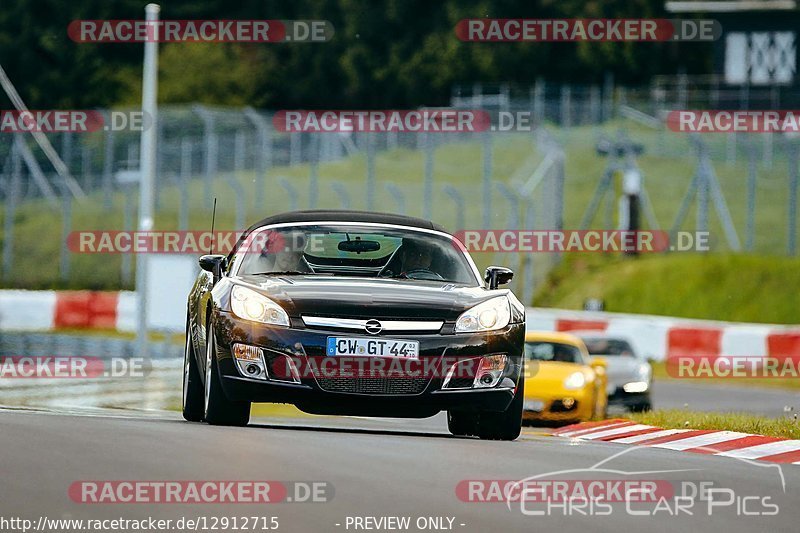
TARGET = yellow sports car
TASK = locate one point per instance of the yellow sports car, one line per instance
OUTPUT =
(562, 384)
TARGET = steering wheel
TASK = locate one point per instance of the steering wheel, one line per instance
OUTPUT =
(424, 274)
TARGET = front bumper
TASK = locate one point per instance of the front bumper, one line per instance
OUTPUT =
(564, 406)
(620, 398)
(303, 343)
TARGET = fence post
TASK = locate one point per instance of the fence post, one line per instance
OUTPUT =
(12, 201)
(538, 102)
(295, 148)
(126, 267)
(264, 156)
(184, 175)
(370, 172)
(341, 191)
(108, 169)
(791, 244)
(487, 180)
(212, 146)
(566, 105)
(427, 209)
(241, 206)
(66, 227)
(608, 96)
(702, 189)
(458, 199)
(313, 170)
(290, 191)
(399, 197)
(751, 194)
(239, 147)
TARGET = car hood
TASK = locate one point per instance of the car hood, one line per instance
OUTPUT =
(338, 296)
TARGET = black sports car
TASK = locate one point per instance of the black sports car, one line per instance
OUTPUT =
(354, 313)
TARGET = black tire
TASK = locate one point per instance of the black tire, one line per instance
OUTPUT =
(462, 424)
(641, 407)
(219, 410)
(506, 425)
(192, 397)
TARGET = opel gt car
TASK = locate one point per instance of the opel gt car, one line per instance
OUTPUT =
(354, 313)
(562, 385)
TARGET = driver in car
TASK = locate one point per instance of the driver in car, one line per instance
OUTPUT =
(416, 257)
(285, 254)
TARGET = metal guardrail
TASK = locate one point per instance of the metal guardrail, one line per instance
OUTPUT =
(65, 345)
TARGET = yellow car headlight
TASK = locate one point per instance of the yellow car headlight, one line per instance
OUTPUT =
(490, 315)
(576, 380)
(250, 305)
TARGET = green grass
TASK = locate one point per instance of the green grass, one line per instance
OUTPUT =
(730, 287)
(742, 422)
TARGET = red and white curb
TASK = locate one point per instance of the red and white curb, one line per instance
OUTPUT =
(704, 441)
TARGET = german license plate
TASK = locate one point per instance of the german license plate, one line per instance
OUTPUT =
(372, 347)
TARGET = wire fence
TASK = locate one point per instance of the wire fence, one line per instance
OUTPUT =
(538, 179)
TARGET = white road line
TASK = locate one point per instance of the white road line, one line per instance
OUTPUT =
(763, 450)
(615, 431)
(647, 436)
(699, 441)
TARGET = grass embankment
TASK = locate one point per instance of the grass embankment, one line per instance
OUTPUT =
(739, 288)
(742, 422)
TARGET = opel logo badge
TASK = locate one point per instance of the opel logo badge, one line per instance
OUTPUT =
(373, 327)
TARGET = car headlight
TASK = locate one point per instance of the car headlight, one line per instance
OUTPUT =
(487, 316)
(576, 380)
(250, 305)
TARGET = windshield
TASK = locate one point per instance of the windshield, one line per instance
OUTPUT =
(553, 351)
(609, 347)
(355, 250)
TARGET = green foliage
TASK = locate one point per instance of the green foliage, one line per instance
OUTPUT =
(389, 53)
(738, 288)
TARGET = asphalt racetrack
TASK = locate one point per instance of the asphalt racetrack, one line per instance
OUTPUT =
(376, 468)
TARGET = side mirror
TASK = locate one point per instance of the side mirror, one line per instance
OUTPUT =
(496, 276)
(214, 264)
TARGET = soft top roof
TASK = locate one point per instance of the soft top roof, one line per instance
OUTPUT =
(343, 215)
(340, 215)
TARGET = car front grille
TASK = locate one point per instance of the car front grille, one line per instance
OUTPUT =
(374, 385)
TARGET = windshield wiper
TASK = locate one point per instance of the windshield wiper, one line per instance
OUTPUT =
(281, 273)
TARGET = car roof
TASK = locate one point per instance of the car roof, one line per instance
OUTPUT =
(553, 336)
(346, 215)
(339, 215)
